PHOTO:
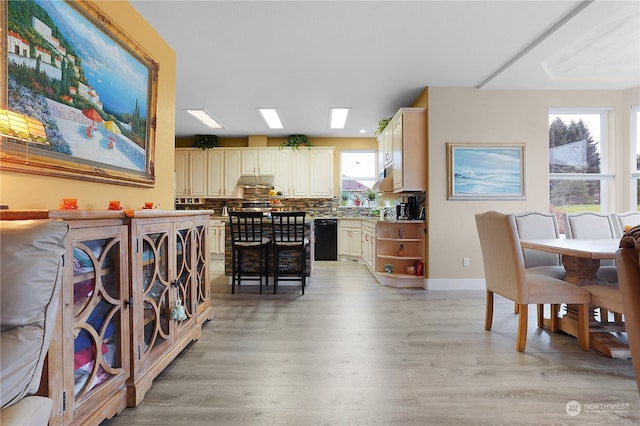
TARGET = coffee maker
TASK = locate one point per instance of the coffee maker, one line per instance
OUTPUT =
(407, 209)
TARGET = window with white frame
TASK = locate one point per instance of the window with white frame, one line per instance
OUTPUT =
(578, 169)
(635, 158)
(357, 176)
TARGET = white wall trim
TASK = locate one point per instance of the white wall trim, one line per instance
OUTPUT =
(455, 284)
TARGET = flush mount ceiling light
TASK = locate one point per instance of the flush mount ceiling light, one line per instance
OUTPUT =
(270, 116)
(205, 117)
(338, 117)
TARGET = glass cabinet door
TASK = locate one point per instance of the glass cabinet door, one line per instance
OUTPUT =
(99, 292)
(184, 272)
(155, 289)
(201, 278)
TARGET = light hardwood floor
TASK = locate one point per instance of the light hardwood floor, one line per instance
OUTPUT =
(353, 352)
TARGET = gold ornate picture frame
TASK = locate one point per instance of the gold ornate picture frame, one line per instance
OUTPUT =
(93, 87)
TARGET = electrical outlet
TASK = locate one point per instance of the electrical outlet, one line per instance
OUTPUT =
(465, 262)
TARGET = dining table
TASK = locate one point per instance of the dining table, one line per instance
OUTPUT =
(581, 260)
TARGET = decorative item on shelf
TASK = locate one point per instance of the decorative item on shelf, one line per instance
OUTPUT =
(205, 141)
(388, 268)
(114, 205)
(411, 270)
(401, 250)
(148, 205)
(401, 233)
(296, 141)
(69, 204)
(382, 124)
(419, 267)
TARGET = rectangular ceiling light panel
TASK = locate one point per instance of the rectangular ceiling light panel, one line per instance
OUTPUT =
(270, 116)
(338, 117)
(205, 117)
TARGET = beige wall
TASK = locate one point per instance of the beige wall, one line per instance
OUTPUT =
(472, 115)
(25, 191)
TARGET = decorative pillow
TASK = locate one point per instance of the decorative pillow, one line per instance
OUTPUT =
(31, 270)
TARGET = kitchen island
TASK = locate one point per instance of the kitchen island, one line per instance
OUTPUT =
(250, 260)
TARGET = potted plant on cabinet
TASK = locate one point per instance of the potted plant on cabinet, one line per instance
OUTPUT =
(296, 141)
(205, 141)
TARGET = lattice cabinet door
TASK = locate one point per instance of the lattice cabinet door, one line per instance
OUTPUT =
(95, 317)
(184, 284)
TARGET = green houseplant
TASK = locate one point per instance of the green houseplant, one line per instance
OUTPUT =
(205, 141)
(344, 198)
(382, 124)
(296, 141)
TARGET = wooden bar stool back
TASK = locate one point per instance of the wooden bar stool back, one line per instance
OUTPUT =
(249, 247)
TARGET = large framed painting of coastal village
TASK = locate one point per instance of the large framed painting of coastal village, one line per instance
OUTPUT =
(485, 171)
(92, 86)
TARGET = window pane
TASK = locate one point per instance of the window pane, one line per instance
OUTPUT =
(357, 171)
(635, 134)
(574, 143)
(574, 196)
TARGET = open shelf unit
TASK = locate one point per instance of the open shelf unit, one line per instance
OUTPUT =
(399, 246)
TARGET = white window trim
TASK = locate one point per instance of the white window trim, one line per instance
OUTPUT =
(633, 150)
(603, 176)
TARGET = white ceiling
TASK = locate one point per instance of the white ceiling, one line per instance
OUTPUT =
(304, 57)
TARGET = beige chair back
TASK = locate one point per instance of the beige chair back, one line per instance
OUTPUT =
(620, 220)
(537, 225)
(588, 226)
(502, 257)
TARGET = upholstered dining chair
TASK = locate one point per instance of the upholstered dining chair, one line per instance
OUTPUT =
(627, 259)
(538, 225)
(506, 275)
(593, 226)
(622, 220)
(290, 247)
(247, 236)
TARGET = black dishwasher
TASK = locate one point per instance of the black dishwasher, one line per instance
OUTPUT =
(326, 232)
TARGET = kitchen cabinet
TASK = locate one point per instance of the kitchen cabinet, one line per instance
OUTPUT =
(169, 253)
(259, 162)
(232, 172)
(385, 151)
(349, 238)
(216, 173)
(321, 173)
(400, 245)
(408, 139)
(190, 172)
(305, 172)
(283, 177)
(216, 237)
(369, 244)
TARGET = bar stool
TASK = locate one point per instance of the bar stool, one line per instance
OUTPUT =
(288, 237)
(247, 237)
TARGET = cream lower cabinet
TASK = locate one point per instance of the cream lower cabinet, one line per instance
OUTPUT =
(169, 266)
(349, 238)
(216, 237)
(369, 244)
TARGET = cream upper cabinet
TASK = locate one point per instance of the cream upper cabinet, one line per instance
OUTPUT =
(216, 174)
(408, 140)
(300, 172)
(282, 177)
(259, 161)
(191, 172)
(321, 173)
(232, 172)
(385, 150)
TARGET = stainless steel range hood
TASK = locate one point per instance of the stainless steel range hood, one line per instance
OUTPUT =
(256, 180)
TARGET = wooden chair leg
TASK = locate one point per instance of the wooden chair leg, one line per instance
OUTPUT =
(604, 316)
(516, 308)
(540, 315)
(523, 316)
(617, 318)
(583, 326)
(553, 321)
(488, 315)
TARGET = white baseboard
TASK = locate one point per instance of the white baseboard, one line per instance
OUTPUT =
(455, 284)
